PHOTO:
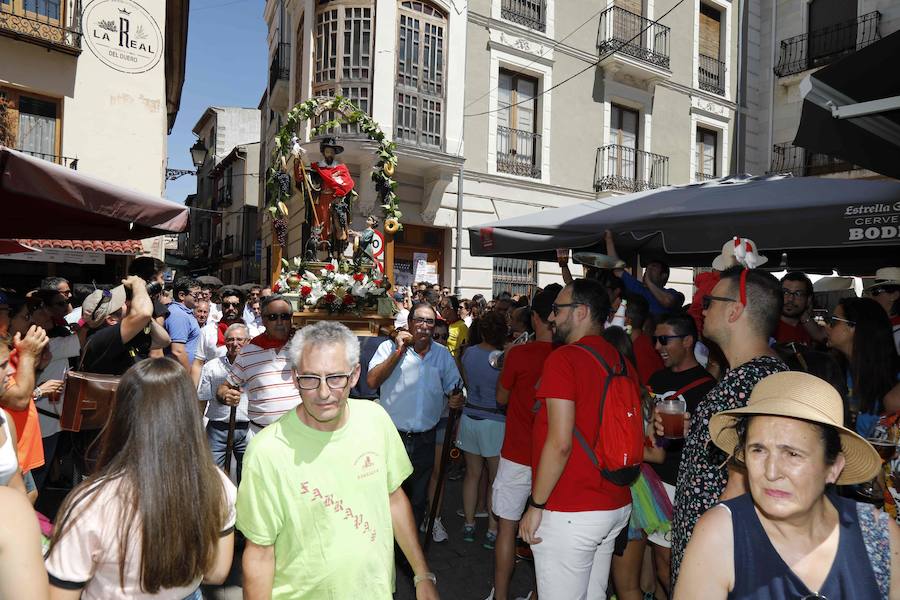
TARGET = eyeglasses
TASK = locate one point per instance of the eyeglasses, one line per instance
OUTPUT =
(795, 293)
(230, 304)
(875, 291)
(277, 316)
(421, 320)
(555, 307)
(193, 295)
(233, 340)
(337, 381)
(663, 340)
(708, 300)
(833, 320)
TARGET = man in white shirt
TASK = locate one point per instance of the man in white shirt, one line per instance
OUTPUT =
(218, 409)
(212, 340)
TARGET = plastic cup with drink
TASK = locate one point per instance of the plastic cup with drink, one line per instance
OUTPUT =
(671, 410)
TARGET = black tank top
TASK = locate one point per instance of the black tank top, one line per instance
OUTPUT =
(761, 574)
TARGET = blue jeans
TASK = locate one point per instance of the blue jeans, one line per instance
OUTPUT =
(420, 449)
(217, 434)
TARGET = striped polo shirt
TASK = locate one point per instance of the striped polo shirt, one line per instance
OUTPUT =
(265, 375)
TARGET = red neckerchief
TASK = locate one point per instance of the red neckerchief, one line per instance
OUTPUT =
(266, 342)
(220, 331)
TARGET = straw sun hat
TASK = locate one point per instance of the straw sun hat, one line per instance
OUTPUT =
(801, 396)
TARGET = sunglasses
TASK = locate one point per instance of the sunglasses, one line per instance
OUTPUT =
(708, 300)
(337, 381)
(425, 320)
(230, 304)
(877, 291)
(833, 320)
(663, 340)
(278, 316)
(555, 307)
(796, 293)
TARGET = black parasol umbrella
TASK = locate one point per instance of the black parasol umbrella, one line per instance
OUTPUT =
(210, 280)
(801, 223)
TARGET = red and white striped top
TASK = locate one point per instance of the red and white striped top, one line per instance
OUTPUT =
(265, 375)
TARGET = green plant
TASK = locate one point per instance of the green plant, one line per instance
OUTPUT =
(7, 131)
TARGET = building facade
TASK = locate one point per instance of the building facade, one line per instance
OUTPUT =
(787, 41)
(521, 104)
(96, 87)
(224, 228)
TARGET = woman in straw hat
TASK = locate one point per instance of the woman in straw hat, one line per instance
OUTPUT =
(792, 537)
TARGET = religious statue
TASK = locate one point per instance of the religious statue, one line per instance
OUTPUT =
(362, 250)
(331, 184)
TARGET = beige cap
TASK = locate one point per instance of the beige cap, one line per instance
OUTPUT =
(102, 303)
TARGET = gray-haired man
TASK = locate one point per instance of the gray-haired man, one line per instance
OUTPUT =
(218, 408)
(321, 501)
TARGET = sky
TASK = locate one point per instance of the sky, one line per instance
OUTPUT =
(226, 66)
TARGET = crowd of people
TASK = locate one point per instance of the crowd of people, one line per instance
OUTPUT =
(320, 451)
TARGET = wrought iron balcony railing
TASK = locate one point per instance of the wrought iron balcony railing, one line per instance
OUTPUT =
(65, 161)
(632, 34)
(698, 176)
(787, 158)
(519, 152)
(280, 69)
(628, 170)
(43, 22)
(824, 46)
(530, 13)
(711, 74)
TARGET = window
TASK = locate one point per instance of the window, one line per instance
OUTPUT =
(623, 139)
(514, 275)
(710, 67)
(43, 10)
(420, 74)
(706, 155)
(299, 84)
(518, 142)
(344, 46)
(530, 13)
(35, 123)
(835, 23)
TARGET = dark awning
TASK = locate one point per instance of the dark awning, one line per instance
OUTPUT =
(43, 200)
(851, 108)
(821, 224)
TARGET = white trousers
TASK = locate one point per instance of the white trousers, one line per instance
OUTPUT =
(572, 561)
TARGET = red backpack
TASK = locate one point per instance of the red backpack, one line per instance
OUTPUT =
(617, 449)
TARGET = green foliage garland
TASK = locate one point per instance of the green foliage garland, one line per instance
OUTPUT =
(349, 114)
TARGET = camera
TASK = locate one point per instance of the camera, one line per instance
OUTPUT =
(154, 288)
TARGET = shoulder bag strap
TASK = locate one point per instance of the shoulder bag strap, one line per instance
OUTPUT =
(692, 385)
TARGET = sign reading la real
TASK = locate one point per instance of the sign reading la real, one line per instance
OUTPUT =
(122, 35)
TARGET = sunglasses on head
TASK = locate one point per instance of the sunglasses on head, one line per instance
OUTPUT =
(834, 320)
(278, 316)
(663, 340)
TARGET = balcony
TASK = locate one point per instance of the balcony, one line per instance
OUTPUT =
(518, 152)
(528, 13)
(700, 177)
(65, 161)
(43, 22)
(711, 74)
(824, 46)
(638, 45)
(228, 246)
(279, 77)
(787, 158)
(625, 169)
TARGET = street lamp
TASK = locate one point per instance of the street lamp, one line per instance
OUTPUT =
(198, 153)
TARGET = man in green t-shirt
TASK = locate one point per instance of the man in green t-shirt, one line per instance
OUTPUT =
(320, 501)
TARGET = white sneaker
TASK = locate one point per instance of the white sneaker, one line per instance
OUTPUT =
(438, 533)
(528, 597)
(491, 595)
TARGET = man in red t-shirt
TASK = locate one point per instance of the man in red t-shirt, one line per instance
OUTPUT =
(574, 514)
(647, 358)
(796, 323)
(521, 371)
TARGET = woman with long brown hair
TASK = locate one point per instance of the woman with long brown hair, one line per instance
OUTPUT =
(156, 518)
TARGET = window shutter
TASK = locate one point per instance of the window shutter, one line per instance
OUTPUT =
(632, 6)
(710, 25)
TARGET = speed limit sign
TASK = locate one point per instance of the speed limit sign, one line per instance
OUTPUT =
(376, 250)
